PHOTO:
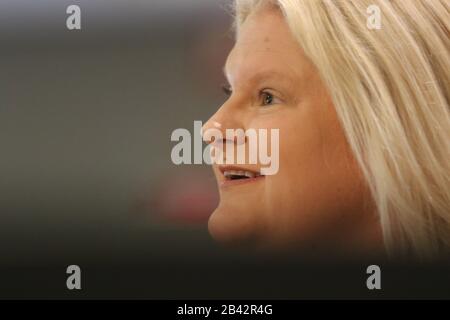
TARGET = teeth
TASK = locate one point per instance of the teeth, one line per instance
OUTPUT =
(248, 174)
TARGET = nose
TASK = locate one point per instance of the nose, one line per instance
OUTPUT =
(225, 118)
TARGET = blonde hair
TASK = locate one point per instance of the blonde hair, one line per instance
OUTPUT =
(390, 88)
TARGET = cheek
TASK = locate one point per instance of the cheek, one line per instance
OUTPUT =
(301, 165)
(317, 181)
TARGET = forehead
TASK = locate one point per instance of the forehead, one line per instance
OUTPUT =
(266, 45)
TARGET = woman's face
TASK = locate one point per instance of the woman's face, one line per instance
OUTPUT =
(318, 196)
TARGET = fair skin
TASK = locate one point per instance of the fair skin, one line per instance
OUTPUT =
(318, 198)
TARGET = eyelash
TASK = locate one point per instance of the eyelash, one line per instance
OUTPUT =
(228, 91)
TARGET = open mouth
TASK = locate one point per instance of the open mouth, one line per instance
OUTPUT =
(239, 174)
(235, 176)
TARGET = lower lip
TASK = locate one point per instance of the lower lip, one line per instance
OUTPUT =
(230, 183)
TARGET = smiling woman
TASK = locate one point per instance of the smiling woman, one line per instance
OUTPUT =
(364, 127)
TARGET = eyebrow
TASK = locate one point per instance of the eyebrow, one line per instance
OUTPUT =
(260, 75)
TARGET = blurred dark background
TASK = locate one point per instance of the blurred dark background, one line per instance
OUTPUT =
(86, 115)
(85, 121)
(85, 171)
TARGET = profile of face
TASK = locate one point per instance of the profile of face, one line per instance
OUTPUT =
(318, 198)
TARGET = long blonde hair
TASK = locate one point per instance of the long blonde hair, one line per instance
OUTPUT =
(390, 87)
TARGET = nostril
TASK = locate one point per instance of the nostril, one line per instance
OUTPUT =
(213, 136)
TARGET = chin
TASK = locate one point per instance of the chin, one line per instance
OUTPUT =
(231, 227)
